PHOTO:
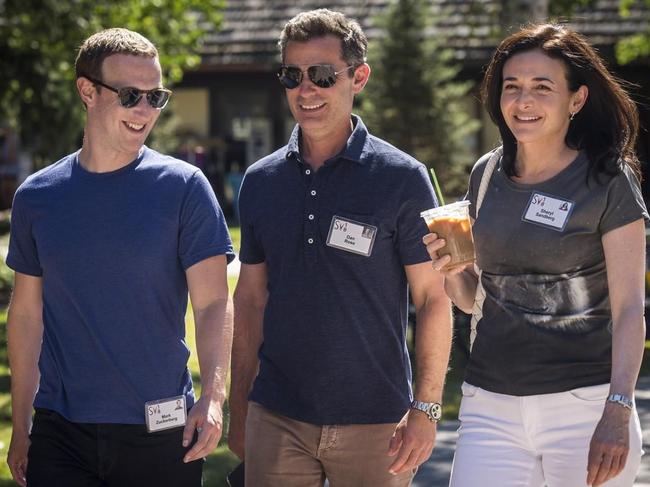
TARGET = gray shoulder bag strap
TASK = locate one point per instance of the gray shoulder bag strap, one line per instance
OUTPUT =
(477, 309)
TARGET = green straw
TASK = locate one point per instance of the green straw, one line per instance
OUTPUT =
(441, 199)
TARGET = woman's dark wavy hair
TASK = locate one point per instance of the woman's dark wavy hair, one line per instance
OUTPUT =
(607, 126)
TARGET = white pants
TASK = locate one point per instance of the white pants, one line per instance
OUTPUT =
(531, 441)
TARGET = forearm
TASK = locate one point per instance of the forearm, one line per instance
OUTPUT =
(627, 350)
(461, 289)
(432, 347)
(246, 342)
(214, 330)
(24, 336)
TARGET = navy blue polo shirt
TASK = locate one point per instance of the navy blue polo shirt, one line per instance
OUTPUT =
(334, 349)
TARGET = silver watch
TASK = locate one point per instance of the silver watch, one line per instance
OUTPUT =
(621, 399)
(433, 410)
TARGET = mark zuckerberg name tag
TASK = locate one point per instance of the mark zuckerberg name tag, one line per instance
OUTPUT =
(548, 211)
(351, 236)
(165, 413)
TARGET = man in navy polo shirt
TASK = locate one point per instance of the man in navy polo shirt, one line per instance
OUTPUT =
(105, 244)
(331, 240)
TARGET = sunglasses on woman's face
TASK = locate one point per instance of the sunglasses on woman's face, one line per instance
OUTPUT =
(322, 75)
(130, 97)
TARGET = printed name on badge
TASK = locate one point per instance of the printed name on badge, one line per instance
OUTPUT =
(548, 211)
(351, 236)
(165, 413)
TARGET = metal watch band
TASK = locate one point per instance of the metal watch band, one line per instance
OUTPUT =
(621, 399)
(433, 410)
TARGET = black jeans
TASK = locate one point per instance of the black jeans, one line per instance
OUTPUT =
(66, 454)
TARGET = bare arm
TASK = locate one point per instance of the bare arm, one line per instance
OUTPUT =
(208, 287)
(24, 336)
(460, 283)
(625, 259)
(415, 440)
(250, 301)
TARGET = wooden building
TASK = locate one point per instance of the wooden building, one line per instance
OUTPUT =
(233, 107)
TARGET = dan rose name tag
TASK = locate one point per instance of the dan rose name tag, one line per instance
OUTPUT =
(548, 211)
(165, 413)
(351, 236)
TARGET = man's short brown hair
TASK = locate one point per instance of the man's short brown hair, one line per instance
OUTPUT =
(322, 22)
(107, 42)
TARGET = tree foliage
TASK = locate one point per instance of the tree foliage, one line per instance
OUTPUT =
(635, 47)
(413, 99)
(38, 45)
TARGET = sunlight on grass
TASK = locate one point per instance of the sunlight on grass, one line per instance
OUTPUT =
(221, 461)
(218, 464)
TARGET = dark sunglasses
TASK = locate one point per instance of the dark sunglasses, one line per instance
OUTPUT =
(322, 75)
(130, 97)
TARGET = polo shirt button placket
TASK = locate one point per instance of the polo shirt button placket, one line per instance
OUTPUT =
(310, 226)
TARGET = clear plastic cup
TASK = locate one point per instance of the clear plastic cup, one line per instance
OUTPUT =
(452, 223)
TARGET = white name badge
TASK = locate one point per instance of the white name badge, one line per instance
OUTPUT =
(165, 413)
(351, 236)
(548, 211)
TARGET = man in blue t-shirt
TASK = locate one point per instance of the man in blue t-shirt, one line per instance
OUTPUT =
(105, 245)
(331, 241)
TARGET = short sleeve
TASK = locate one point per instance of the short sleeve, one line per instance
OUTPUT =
(624, 202)
(23, 253)
(410, 225)
(203, 229)
(474, 182)
(251, 250)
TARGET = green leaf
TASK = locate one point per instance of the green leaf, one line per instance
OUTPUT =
(38, 44)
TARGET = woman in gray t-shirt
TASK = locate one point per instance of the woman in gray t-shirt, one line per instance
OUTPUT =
(548, 392)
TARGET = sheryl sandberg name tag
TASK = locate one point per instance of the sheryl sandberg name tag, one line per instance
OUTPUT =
(548, 211)
(165, 413)
(351, 236)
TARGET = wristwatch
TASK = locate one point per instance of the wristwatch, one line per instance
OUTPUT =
(621, 399)
(433, 410)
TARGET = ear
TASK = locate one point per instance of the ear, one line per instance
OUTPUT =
(87, 91)
(361, 75)
(579, 98)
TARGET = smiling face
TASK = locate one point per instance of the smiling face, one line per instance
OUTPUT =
(323, 110)
(116, 130)
(536, 101)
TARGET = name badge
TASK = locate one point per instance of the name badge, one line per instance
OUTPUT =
(351, 236)
(165, 413)
(548, 211)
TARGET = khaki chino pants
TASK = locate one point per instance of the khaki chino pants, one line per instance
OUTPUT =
(282, 452)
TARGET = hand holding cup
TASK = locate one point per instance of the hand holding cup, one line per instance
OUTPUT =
(450, 243)
(440, 262)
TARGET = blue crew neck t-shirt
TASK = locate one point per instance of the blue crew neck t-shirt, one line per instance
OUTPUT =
(112, 250)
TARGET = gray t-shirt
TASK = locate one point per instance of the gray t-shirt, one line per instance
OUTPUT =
(546, 323)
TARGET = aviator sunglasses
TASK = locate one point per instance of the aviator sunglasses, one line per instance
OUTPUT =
(130, 97)
(322, 75)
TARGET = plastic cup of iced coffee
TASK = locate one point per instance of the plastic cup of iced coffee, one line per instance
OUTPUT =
(452, 223)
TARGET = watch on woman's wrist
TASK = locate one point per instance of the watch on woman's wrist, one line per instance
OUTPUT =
(621, 399)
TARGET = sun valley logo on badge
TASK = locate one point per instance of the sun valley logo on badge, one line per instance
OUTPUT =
(548, 211)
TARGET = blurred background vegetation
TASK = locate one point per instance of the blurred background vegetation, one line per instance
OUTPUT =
(38, 44)
(414, 100)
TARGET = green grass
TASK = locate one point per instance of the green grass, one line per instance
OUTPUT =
(218, 464)
(221, 461)
(235, 235)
